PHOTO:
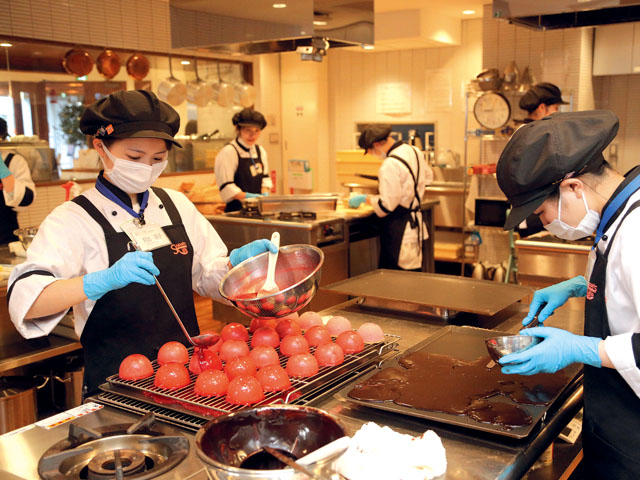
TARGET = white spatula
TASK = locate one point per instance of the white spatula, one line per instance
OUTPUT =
(270, 286)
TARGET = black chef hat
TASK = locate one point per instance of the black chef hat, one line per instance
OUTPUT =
(131, 114)
(249, 118)
(544, 92)
(541, 154)
(372, 134)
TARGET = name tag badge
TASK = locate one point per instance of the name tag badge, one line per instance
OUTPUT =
(147, 237)
(255, 169)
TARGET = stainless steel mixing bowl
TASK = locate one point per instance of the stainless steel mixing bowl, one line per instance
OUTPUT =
(297, 276)
(26, 235)
(498, 347)
(232, 440)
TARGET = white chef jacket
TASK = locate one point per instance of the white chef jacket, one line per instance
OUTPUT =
(622, 293)
(226, 165)
(70, 243)
(395, 184)
(22, 181)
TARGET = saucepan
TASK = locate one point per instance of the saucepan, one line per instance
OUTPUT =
(199, 92)
(232, 445)
(172, 90)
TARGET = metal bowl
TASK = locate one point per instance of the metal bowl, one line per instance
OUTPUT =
(297, 274)
(230, 441)
(26, 235)
(489, 80)
(498, 347)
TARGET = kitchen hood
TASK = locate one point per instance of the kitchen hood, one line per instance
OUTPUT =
(263, 26)
(554, 14)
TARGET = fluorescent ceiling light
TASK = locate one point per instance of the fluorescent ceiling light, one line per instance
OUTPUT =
(279, 5)
(6, 44)
(319, 22)
(368, 47)
(185, 62)
(468, 12)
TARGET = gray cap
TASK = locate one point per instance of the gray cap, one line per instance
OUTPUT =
(541, 154)
(543, 92)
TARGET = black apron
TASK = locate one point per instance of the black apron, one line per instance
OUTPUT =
(611, 425)
(136, 318)
(8, 216)
(243, 178)
(394, 224)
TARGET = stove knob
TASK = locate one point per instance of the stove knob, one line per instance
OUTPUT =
(328, 230)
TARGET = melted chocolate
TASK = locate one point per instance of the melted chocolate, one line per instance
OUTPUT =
(442, 383)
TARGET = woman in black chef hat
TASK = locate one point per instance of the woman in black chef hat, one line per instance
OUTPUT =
(241, 166)
(554, 168)
(82, 255)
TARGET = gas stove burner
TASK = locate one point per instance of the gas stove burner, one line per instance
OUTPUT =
(138, 451)
(297, 216)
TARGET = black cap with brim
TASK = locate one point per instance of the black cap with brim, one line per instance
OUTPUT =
(372, 134)
(131, 114)
(249, 118)
(544, 92)
(541, 154)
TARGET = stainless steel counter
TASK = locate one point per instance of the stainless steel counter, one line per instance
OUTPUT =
(470, 454)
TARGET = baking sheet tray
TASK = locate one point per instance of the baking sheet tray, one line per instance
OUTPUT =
(444, 292)
(464, 343)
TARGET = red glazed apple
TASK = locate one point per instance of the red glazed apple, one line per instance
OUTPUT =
(234, 331)
(244, 390)
(336, 325)
(173, 352)
(293, 344)
(239, 366)
(135, 367)
(265, 336)
(317, 335)
(329, 355)
(273, 378)
(264, 355)
(287, 326)
(172, 376)
(211, 383)
(233, 349)
(302, 365)
(202, 360)
(350, 342)
(258, 322)
(371, 332)
(309, 319)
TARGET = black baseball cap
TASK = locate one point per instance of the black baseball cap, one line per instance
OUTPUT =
(131, 114)
(249, 118)
(372, 134)
(541, 154)
(544, 92)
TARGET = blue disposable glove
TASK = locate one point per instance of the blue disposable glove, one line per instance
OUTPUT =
(356, 200)
(555, 296)
(265, 194)
(558, 349)
(132, 267)
(252, 195)
(249, 250)
(4, 170)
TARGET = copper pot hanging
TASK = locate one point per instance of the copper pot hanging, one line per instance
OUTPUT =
(138, 66)
(78, 62)
(108, 64)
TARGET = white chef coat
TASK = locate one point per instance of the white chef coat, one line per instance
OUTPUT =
(22, 181)
(70, 243)
(395, 184)
(622, 293)
(226, 165)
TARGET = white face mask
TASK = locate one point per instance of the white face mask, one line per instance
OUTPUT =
(586, 227)
(131, 176)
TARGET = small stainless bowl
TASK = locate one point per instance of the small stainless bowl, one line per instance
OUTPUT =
(498, 347)
(297, 275)
(26, 235)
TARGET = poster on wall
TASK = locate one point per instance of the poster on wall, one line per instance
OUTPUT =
(438, 91)
(393, 98)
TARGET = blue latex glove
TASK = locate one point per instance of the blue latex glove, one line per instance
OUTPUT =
(132, 267)
(558, 349)
(265, 194)
(555, 296)
(356, 200)
(4, 170)
(252, 195)
(249, 250)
